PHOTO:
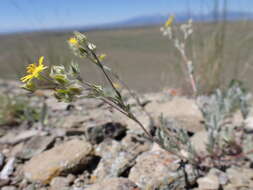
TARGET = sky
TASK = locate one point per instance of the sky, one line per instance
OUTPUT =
(21, 15)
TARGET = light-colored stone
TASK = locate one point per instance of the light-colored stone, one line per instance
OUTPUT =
(249, 124)
(59, 183)
(152, 168)
(54, 104)
(114, 184)
(8, 169)
(14, 138)
(73, 121)
(199, 141)
(117, 157)
(29, 187)
(34, 146)
(240, 177)
(16, 149)
(62, 158)
(209, 182)
(9, 188)
(183, 110)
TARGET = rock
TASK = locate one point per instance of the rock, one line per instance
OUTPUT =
(80, 182)
(152, 168)
(112, 130)
(67, 157)
(2, 157)
(30, 187)
(71, 178)
(132, 125)
(73, 121)
(114, 184)
(55, 105)
(240, 177)
(8, 169)
(118, 158)
(249, 124)
(9, 188)
(183, 110)
(107, 151)
(59, 183)
(34, 146)
(199, 141)
(77, 188)
(4, 182)
(209, 182)
(58, 132)
(12, 138)
(16, 149)
(75, 132)
(2, 131)
(223, 179)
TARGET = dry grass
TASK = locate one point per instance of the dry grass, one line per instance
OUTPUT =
(142, 56)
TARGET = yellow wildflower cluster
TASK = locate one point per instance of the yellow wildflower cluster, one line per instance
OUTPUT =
(33, 70)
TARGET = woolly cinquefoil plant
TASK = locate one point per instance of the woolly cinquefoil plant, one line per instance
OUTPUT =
(68, 84)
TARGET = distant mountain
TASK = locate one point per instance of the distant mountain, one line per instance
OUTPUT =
(156, 19)
(181, 17)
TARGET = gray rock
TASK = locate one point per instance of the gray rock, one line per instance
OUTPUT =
(2, 131)
(9, 188)
(184, 110)
(1, 160)
(77, 188)
(34, 146)
(97, 134)
(118, 157)
(249, 124)
(13, 138)
(199, 141)
(209, 182)
(55, 105)
(152, 168)
(73, 121)
(8, 169)
(223, 178)
(59, 183)
(240, 177)
(4, 182)
(64, 158)
(30, 187)
(16, 149)
(114, 184)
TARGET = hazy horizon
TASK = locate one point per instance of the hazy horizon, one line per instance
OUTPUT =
(28, 15)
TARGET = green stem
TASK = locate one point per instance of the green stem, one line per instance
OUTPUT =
(106, 75)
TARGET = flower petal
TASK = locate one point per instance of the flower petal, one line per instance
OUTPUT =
(41, 60)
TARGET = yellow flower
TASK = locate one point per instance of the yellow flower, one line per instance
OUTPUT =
(169, 22)
(102, 57)
(33, 70)
(73, 41)
(117, 85)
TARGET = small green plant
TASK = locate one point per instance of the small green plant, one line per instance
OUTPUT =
(16, 109)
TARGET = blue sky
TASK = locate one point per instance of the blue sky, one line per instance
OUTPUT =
(18, 15)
